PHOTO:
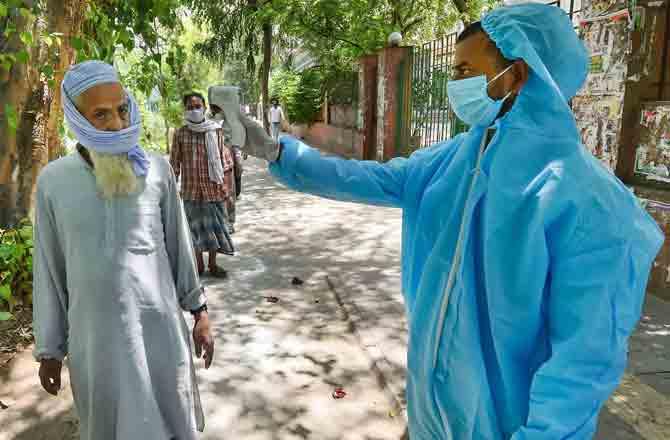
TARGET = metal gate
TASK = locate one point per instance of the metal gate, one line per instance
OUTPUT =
(432, 120)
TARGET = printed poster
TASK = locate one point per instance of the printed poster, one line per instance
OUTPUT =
(653, 153)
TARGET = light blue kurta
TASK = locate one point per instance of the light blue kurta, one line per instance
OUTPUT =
(111, 281)
(530, 336)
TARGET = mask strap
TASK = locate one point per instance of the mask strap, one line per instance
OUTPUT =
(500, 74)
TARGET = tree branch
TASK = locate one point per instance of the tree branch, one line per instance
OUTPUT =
(334, 37)
(411, 24)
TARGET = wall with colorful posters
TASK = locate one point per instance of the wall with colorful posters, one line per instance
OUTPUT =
(599, 122)
(607, 39)
(599, 8)
(652, 158)
(598, 107)
(628, 135)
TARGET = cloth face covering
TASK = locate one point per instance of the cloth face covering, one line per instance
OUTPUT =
(194, 116)
(79, 79)
(209, 127)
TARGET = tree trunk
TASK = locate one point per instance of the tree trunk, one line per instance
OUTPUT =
(265, 78)
(14, 89)
(167, 136)
(36, 140)
(31, 140)
(31, 148)
(65, 17)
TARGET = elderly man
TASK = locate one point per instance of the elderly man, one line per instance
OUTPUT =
(205, 165)
(524, 261)
(113, 271)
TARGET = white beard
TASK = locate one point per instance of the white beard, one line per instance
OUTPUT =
(114, 174)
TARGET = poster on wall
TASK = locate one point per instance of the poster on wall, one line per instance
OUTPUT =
(653, 152)
(598, 107)
(607, 40)
(599, 123)
(596, 8)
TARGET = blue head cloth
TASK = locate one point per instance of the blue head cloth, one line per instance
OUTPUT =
(82, 77)
(543, 36)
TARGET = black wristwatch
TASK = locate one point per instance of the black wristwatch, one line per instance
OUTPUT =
(199, 310)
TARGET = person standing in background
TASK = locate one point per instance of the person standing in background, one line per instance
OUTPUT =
(205, 165)
(276, 118)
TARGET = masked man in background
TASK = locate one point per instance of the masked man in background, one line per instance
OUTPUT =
(199, 156)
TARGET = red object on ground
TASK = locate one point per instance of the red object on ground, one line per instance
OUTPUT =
(339, 393)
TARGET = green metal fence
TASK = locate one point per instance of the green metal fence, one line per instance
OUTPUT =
(432, 119)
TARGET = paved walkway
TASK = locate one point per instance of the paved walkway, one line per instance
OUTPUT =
(277, 364)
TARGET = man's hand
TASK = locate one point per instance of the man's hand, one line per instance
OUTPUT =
(259, 144)
(202, 338)
(50, 370)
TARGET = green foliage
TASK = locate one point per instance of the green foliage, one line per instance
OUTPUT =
(14, 14)
(340, 85)
(172, 69)
(12, 117)
(309, 97)
(337, 32)
(16, 268)
(238, 29)
(114, 25)
(284, 86)
(300, 93)
(235, 74)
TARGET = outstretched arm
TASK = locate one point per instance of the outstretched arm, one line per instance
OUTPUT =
(305, 169)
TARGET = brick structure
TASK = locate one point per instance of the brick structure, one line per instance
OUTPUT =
(394, 69)
(367, 82)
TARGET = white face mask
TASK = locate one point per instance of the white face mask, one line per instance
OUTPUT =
(195, 116)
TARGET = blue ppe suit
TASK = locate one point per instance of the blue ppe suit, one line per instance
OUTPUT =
(524, 265)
